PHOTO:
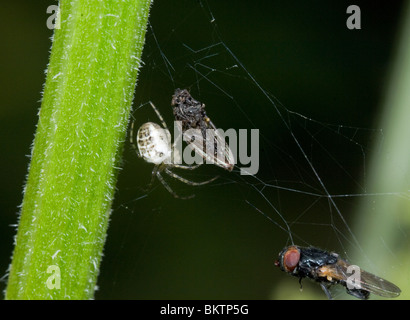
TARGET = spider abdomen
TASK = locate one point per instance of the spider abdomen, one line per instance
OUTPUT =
(154, 143)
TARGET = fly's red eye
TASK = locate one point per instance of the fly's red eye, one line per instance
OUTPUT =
(291, 259)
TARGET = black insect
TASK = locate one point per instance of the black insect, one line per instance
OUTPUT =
(190, 112)
(206, 139)
(327, 268)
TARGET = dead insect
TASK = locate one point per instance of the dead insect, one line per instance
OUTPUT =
(199, 131)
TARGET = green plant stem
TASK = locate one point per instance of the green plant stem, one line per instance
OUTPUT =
(82, 123)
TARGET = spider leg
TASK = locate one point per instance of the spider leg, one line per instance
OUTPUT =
(161, 179)
(155, 172)
(181, 166)
(159, 115)
(188, 182)
(132, 142)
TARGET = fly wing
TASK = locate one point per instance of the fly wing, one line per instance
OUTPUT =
(219, 148)
(367, 281)
(212, 148)
(379, 286)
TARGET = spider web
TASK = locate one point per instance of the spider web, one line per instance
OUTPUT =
(314, 155)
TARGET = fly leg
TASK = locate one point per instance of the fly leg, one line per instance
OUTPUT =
(326, 290)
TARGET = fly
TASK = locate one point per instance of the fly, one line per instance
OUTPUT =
(327, 268)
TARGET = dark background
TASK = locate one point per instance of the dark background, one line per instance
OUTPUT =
(217, 246)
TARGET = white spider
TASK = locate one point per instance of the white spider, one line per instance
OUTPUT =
(154, 146)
